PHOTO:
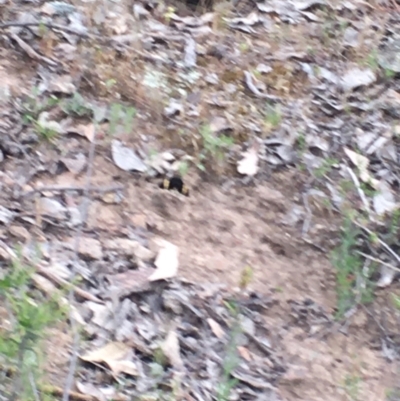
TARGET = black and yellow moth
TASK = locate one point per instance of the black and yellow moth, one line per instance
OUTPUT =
(175, 183)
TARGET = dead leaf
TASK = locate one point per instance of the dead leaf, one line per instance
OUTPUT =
(219, 124)
(6, 216)
(216, 328)
(384, 201)
(125, 158)
(167, 262)
(249, 164)
(89, 248)
(362, 163)
(51, 208)
(250, 82)
(87, 131)
(190, 53)
(357, 77)
(387, 276)
(131, 281)
(244, 353)
(171, 350)
(50, 125)
(62, 84)
(75, 165)
(116, 355)
(91, 390)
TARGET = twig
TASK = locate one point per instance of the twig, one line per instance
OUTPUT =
(20, 360)
(360, 191)
(307, 219)
(46, 24)
(85, 207)
(33, 385)
(384, 244)
(78, 291)
(81, 189)
(57, 391)
(31, 52)
(378, 261)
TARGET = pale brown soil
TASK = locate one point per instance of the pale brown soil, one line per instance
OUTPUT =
(218, 233)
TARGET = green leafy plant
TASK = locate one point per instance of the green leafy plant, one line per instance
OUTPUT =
(231, 360)
(352, 386)
(121, 118)
(214, 147)
(349, 273)
(388, 73)
(301, 142)
(396, 301)
(77, 105)
(34, 104)
(183, 168)
(372, 60)
(29, 315)
(326, 167)
(394, 223)
(272, 116)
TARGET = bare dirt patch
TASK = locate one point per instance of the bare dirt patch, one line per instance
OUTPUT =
(228, 223)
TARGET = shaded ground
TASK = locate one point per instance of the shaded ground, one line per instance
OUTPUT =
(226, 223)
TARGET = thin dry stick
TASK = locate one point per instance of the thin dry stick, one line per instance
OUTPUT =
(85, 203)
(57, 391)
(34, 388)
(378, 261)
(307, 219)
(30, 51)
(42, 23)
(66, 189)
(60, 281)
(360, 191)
(384, 244)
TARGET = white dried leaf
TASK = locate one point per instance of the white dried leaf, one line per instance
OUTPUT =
(263, 68)
(364, 139)
(301, 5)
(362, 163)
(387, 276)
(357, 77)
(218, 124)
(350, 37)
(171, 350)
(75, 165)
(252, 85)
(327, 75)
(139, 11)
(125, 158)
(6, 215)
(44, 123)
(62, 84)
(91, 390)
(250, 20)
(190, 53)
(58, 8)
(51, 208)
(249, 164)
(384, 201)
(173, 109)
(167, 261)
